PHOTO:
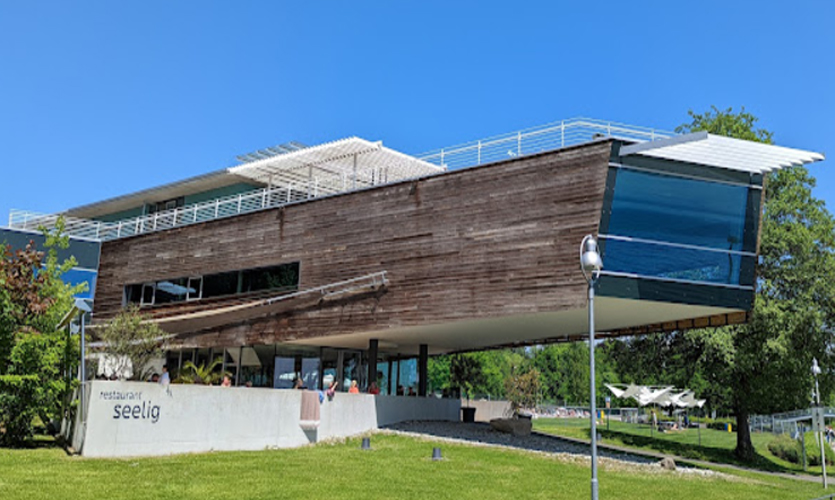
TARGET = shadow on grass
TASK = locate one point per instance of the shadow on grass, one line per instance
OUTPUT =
(692, 451)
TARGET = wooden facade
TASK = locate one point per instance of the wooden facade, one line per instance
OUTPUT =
(486, 242)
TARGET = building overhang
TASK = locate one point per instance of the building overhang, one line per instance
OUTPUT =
(711, 150)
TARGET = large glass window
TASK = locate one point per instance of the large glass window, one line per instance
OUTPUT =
(679, 228)
(284, 277)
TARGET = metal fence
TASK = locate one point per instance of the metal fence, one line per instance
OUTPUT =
(536, 140)
(529, 141)
(200, 212)
(787, 422)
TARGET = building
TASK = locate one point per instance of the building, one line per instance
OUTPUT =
(350, 260)
(86, 253)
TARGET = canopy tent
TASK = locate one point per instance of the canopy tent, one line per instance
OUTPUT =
(662, 396)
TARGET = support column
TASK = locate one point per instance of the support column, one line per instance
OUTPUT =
(372, 360)
(389, 377)
(423, 362)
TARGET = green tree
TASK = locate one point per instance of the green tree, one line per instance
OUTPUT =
(131, 342)
(33, 356)
(765, 363)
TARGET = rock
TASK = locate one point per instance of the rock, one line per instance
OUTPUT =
(515, 426)
(667, 463)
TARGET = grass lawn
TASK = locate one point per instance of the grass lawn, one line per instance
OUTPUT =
(716, 446)
(398, 467)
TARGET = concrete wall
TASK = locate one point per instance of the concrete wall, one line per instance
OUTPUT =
(136, 418)
(488, 410)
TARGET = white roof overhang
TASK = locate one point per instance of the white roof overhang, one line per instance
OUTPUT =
(336, 166)
(711, 150)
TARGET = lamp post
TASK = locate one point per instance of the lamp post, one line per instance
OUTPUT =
(817, 415)
(79, 308)
(591, 264)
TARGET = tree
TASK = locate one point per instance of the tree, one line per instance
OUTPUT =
(33, 355)
(765, 363)
(465, 372)
(131, 342)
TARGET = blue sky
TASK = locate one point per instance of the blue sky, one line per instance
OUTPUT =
(102, 98)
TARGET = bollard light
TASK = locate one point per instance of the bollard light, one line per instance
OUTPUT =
(436, 454)
(366, 443)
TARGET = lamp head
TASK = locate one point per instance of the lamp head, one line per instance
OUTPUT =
(816, 369)
(590, 261)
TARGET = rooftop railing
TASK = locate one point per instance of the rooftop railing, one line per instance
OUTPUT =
(536, 140)
(524, 142)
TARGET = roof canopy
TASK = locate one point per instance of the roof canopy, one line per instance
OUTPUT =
(723, 152)
(337, 166)
(662, 396)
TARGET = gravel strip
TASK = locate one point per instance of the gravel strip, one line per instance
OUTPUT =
(480, 434)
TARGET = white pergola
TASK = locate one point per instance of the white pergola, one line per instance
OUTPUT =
(335, 167)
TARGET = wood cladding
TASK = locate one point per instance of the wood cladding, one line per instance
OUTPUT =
(489, 241)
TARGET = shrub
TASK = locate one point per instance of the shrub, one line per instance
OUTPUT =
(18, 407)
(522, 390)
(786, 448)
(790, 449)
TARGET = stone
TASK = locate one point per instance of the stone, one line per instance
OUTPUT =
(514, 426)
(667, 463)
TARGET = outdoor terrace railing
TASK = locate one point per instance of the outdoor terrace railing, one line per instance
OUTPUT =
(200, 212)
(529, 141)
(536, 140)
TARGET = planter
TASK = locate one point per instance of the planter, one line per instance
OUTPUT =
(468, 414)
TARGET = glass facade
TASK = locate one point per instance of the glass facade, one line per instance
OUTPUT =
(681, 229)
(284, 277)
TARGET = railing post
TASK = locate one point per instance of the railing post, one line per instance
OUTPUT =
(562, 133)
(609, 129)
(479, 153)
(217, 208)
(194, 217)
(98, 230)
(442, 157)
(119, 230)
(240, 198)
(519, 144)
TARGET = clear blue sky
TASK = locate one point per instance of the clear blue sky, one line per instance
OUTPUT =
(102, 98)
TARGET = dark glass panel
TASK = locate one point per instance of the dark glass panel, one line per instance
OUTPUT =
(133, 294)
(215, 285)
(171, 291)
(679, 210)
(283, 277)
(661, 261)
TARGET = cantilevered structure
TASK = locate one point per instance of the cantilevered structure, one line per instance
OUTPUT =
(339, 258)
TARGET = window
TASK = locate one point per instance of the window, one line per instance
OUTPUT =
(680, 228)
(284, 277)
(217, 285)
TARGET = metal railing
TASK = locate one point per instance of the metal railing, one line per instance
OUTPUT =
(192, 214)
(529, 141)
(785, 423)
(536, 140)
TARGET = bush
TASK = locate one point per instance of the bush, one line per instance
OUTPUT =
(18, 407)
(786, 448)
(790, 449)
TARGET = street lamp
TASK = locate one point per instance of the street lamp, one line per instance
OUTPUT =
(817, 415)
(80, 307)
(591, 264)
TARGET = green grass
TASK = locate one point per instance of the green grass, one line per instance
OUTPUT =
(716, 446)
(398, 467)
